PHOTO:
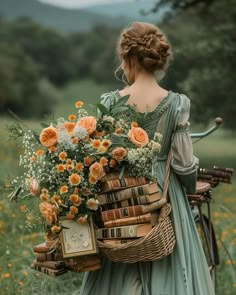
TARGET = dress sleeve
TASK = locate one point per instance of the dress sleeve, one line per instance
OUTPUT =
(184, 163)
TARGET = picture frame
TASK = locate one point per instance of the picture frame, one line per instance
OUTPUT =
(77, 239)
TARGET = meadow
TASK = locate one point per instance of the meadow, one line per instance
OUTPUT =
(16, 240)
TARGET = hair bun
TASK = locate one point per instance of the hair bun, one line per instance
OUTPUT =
(147, 43)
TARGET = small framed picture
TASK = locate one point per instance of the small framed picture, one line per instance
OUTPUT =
(77, 239)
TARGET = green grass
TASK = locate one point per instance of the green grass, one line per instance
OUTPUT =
(16, 240)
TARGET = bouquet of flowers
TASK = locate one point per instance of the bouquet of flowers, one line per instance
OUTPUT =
(66, 162)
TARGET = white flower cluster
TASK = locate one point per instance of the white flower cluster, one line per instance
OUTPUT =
(82, 113)
(64, 140)
(79, 132)
(108, 119)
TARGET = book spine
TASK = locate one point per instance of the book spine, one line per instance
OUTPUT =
(141, 200)
(229, 170)
(121, 195)
(128, 221)
(48, 271)
(217, 173)
(124, 182)
(131, 211)
(50, 264)
(41, 257)
(129, 231)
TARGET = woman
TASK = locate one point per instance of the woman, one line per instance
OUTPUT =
(144, 52)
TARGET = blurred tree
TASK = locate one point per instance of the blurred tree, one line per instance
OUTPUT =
(205, 58)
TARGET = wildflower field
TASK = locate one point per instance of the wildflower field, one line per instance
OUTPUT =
(17, 240)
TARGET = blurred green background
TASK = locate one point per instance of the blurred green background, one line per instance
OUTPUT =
(52, 56)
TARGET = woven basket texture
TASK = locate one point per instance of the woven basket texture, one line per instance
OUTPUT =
(158, 243)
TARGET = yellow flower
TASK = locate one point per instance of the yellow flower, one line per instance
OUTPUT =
(79, 104)
(71, 117)
(62, 156)
(39, 153)
(74, 179)
(73, 210)
(63, 189)
(92, 204)
(60, 168)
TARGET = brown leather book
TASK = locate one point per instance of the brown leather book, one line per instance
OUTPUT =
(49, 271)
(50, 264)
(42, 248)
(131, 211)
(151, 217)
(129, 231)
(112, 175)
(133, 192)
(54, 256)
(124, 182)
(141, 200)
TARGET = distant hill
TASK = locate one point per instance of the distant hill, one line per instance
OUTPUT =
(129, 10)
(55, 17)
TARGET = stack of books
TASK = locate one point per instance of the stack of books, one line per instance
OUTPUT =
(129, 208)
(48, 261)
(215, 175)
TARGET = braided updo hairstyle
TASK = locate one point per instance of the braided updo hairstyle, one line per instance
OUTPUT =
(147, 43)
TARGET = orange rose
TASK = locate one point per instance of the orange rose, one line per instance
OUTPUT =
(48, 211)
(96, 170)
(138, 136)
(119, 153)
(88, 123)
(69, 126)
(48, 136)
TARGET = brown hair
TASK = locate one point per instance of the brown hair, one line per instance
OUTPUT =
(147, 43)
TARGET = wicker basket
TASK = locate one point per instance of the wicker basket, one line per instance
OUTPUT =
(158, 243)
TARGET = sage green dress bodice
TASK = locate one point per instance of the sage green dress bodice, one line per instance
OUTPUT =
(185, 271)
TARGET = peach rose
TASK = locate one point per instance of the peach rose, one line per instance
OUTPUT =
(89, 123)
(69, 126)
(92, 204)
(33, 186)
(48, 136)
(96, 170)
(48, 211)
(138, 136)
(119, 153)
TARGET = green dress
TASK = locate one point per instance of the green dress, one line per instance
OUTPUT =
(185, 271)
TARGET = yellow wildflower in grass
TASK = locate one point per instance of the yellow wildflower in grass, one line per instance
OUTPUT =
(63, 189)
(74, 179)
(7, 275)
(39, 153)
(71, 117)
(62, 156)
(79, 104)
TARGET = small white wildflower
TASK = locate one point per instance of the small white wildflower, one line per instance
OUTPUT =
(108, 119)
(79, 132)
